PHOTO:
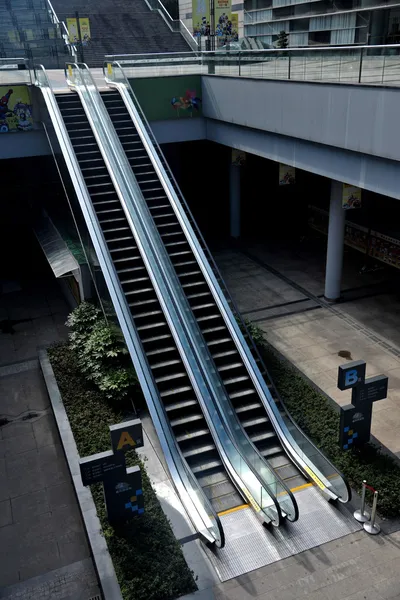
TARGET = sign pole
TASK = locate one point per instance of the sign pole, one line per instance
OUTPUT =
(78, 26)
(212, 24)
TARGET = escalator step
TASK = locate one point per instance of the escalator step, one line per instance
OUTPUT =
(165, 363)
(170, 376)
(152, 326)
(185, 421)
(262, 437)
(205, 466)
(161, 350)
(157, 338)
(248, 407)
(184, 437)
(143, 303)
(228, 501)
(233, 380)
(230, 366)
(178, 390)
(255, 421)
(180, 405)
(198, 450)
(248, 392)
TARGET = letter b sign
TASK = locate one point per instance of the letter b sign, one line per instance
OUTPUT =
(351, 374)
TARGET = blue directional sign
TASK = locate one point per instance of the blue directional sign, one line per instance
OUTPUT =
(351, 374)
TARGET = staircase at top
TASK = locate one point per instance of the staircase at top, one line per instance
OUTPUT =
(121, 27)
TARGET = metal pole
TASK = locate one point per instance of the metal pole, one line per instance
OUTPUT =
(360, 69)
(78, 26)
(360, 515)
(372, 527)
(212, 24)
(289, 53)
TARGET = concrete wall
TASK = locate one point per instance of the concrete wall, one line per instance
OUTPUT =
(353, 117)
(21, 145)
(369, 172)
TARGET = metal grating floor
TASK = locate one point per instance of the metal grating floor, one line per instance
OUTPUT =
(250, 546)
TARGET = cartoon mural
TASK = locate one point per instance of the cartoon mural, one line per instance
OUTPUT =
(188, 102)
(15, 109)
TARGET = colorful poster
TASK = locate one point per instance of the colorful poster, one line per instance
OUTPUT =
(351, 197)
(201, 17)
(72, 27)
(238, 157)
(223, 22)
(15, 109)
(84, 24)
(287, 174)
(235, 27)
(177, 97)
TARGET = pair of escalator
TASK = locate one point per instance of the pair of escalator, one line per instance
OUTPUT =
(249, 408)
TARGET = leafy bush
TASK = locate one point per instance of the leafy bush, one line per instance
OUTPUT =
(316, 416)
(101, 352)
(147, 558)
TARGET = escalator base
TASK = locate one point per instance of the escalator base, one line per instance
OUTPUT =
(250, 546)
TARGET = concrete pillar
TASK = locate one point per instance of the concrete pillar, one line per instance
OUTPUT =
(234, 200)
(334, 255)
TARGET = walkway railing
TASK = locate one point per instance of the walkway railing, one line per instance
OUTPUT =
(372, 65)
(15, 70)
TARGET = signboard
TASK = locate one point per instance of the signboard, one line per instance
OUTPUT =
(122, 487)
(238, 157)
(102, 467)
(72, 26)
(73, 33)
(351, 374)
(355, 418)
(124, 498)
(126, 436)
(287, 174)
(15, 109)
(84, 24)
(201, 17)
(223, 23)
(351, 197)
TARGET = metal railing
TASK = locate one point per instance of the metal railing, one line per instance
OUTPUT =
(15, 70)
(174, 24)
(370, 65)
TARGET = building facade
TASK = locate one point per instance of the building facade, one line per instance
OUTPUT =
(323, 22)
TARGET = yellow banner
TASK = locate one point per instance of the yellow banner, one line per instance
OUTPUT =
(351, 197)
(72, 27)
(15, 109)
(287, 174)
(223, 22)
(238, 157)
(201, 17)
(85, 30)
(235, 27)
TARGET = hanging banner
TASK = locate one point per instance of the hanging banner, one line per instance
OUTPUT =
(235, 27)
(15, 109)
(223, 21)
(287, 174)
(72, 27)
(84, 24)
(201, 17)
(351, 197)
(238, 157)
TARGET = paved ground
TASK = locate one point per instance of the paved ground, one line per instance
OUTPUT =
(43, 548)
(369, 328)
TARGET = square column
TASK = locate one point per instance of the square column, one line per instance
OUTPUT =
(334, 254)
(234, 201)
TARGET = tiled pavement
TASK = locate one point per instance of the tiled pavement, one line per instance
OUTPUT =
(43, 548)
(369, 328)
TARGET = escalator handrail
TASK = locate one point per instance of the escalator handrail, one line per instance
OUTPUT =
(177, 465)
(255, 460)
(286, 438)
(159, 268)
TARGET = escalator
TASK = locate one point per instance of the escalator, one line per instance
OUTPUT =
(255, 400)
(175, 389)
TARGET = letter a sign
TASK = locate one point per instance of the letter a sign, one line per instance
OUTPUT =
(126, 436)
(126, 440)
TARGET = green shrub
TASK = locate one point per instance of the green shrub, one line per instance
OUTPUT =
(147, 558)
(101, 351)
(316, 416)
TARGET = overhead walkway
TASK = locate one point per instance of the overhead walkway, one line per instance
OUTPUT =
(226, 435)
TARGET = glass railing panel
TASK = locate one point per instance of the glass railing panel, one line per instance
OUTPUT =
(194, 346)
(224, 406)
(204, 517)
(306, 456)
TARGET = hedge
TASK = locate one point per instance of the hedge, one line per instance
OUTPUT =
(314, 413)
(147, 558)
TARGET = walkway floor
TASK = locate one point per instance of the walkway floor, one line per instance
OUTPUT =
(43, 549)
(280, 290)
